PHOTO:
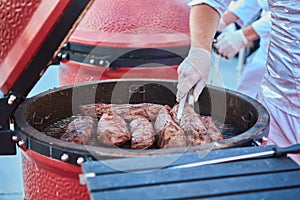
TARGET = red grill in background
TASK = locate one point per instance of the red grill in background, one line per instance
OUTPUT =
(127, 39)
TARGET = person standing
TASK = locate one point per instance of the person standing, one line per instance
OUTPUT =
(280, 88)
(230, 43)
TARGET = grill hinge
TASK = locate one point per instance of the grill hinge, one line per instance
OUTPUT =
(7, 145)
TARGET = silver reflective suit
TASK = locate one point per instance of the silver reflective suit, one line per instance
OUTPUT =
(280, 91)
(281, 83)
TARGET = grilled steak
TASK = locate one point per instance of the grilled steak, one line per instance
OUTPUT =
(213, 132)
(128, 112)
(89, 110)
(142, 133)
(79, 130)
(169, 134)
(191, 129)
(112, 129)
(192, 125)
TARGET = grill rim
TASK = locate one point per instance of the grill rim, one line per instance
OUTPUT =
(55, 148)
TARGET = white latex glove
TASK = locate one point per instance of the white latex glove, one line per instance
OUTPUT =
(229, 43)
(193, 72)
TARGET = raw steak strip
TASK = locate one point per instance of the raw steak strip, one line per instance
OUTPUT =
(169, 134)
(192, 125)
(213, 132)
(79, 130)
(142, 133)
(128, 112)
(112, 129)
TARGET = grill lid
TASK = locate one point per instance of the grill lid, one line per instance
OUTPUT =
(31, 34)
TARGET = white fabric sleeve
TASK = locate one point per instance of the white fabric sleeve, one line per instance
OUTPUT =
(262, 26)
(219, 5)
(245, 10)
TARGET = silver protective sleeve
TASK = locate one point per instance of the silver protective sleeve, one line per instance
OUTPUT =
(281, 84)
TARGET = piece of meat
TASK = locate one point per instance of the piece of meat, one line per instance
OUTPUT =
(89, 110)
(79, 130)
(112, 129)
(142, 133)
(192, 125)
(169, 134)
(213, 132)
(128, 112)
(146, 110)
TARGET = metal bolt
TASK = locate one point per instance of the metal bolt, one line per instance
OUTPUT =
(66, 45)
(80, 160)
(92, 61)
(15, 138)
(21, 143)
(11, 99)
(64, 56)
(65, 157)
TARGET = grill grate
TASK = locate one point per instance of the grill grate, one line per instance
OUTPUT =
(58, 128)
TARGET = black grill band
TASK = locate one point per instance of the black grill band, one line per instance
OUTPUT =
(123, 57)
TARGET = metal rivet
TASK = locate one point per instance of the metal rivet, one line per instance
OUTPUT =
(11, 99)
(80, 160)
(65, 157)
(21, 143)
(64, 56)
(92, 61)
(66, 45)
(15, 138)
(101, 62)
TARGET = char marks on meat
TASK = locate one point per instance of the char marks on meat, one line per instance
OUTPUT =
(169, 134)
(112, 129)
(79, 130)
(213, 132)
(142, 133)
(128, 112)
(192, 125)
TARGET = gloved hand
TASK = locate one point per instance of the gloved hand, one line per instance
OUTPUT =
(229, 43)
(193, 72)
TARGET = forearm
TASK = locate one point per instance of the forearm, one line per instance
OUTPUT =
(204, 21)
(250, 33)
(229, 17)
